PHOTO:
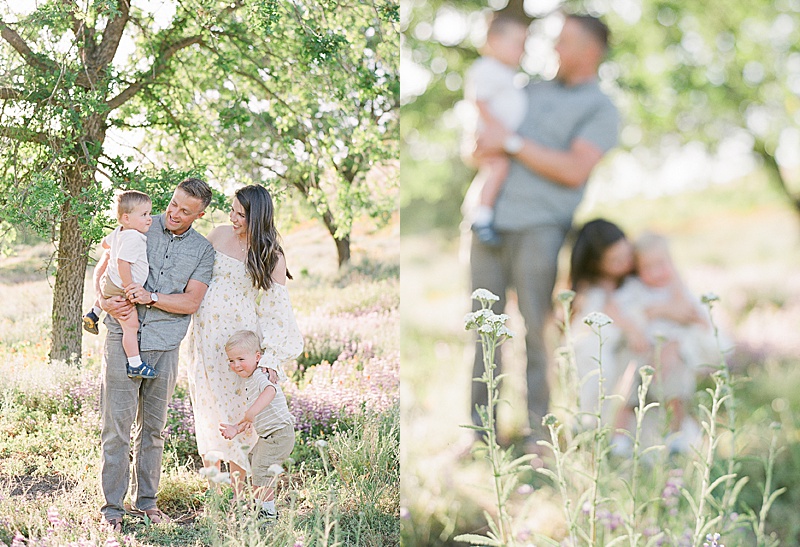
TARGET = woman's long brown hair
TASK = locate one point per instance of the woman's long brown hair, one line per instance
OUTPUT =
(265, 248)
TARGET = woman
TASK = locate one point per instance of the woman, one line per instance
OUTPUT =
(247, 291)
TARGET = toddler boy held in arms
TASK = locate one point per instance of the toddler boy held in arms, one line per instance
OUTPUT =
(127, 265)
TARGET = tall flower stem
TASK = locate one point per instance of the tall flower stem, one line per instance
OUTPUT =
(489, 344)
(728, 499)
(492, 332)
(560, 476)
(718, 397)
(597, 321)
(768, 496)
(646, 373)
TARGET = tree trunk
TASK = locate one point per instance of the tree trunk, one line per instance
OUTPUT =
(73, 249)
(68, 291)
(343, 249)
(774, 172)
(342, 242)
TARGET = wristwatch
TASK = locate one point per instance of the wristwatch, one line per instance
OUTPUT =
(154, 298)
(513, 144)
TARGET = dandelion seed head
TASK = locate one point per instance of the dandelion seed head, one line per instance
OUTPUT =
(213, 456)
(320, 443)
(274, 470)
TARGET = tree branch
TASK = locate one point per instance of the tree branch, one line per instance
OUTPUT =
(17, 42)
(9, 93)
(159, 66)
(112, 36)
(23, 134)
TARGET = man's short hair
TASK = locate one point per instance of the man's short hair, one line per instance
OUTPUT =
(128, 200)
(596, 28)
(244, 339)
(500, 22)
(197, 189)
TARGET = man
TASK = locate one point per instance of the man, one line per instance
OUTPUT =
(569, 126)
(181, 263)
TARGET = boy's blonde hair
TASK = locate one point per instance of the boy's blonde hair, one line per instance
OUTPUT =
(244, 339)
(128, 200)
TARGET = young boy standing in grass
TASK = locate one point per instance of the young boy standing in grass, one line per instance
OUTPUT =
(268, 413)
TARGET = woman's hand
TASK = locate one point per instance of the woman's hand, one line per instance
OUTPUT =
(637, 340)
(271, 373)
(229, 431)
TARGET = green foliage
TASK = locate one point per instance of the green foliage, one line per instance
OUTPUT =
(300, 97)
(366, 459)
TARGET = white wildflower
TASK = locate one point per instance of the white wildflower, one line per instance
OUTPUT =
(502, 318)
(209, 471)
(485, 296)
(503, 331)
(221, 478)
(597, 319)
(274, 470)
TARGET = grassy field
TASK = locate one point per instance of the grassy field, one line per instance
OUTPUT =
(342, 491)
(740, 241)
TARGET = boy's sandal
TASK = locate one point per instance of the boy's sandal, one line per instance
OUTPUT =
(90, 325)
(144, 371)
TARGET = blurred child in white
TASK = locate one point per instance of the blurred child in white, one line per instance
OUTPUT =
(675, 322)
(491, 84)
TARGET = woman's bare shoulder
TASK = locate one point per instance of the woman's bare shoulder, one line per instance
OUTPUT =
(220, 234)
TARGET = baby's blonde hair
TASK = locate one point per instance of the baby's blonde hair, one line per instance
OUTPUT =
(651, 241)
(244, 339)
(128, 200)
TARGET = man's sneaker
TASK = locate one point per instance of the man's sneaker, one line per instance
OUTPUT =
(142, 371)
(90, 321)
(486, 234)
